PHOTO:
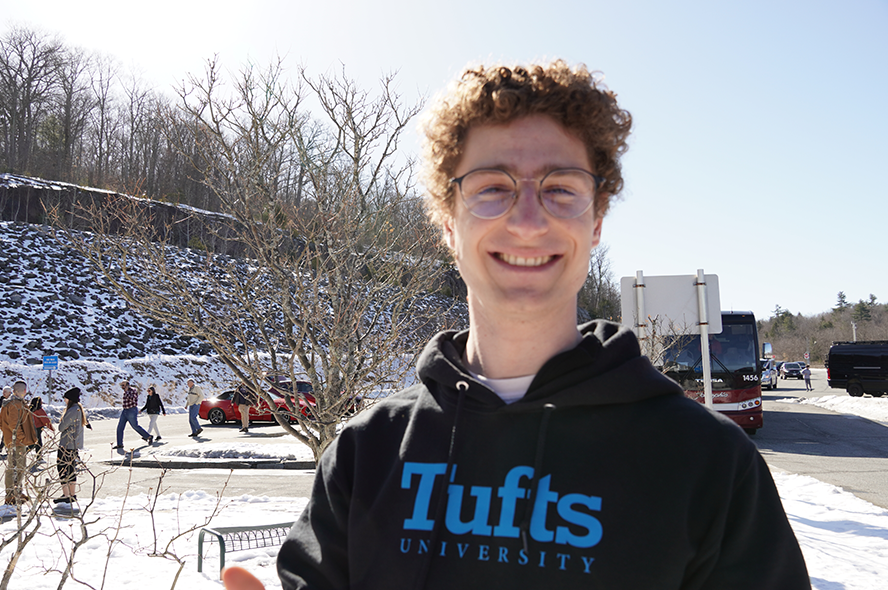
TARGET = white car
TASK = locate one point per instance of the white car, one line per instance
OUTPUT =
(769, 374)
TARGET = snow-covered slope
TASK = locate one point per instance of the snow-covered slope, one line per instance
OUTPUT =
(51, 305)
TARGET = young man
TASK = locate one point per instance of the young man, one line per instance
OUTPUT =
(17, 425)
(130, 414)
(536, 454)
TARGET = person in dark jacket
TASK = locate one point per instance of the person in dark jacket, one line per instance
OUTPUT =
(154, 407)
(244, 400)
(534, 453)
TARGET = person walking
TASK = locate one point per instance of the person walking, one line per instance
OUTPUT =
(70, 440)
(244, 399)
(192, 402)
(154, 407)
(17, 425)
(130, 414)
(806, 373)
(41, 421)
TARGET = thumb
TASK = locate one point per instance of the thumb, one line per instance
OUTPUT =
(237, 578)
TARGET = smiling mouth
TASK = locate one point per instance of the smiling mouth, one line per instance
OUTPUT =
(521, 261)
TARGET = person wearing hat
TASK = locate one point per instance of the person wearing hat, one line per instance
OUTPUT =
(70, 440)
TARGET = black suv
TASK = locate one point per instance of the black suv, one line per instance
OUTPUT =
(791, 370)
(859, 367)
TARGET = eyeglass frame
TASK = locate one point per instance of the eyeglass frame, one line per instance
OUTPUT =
(597, 180)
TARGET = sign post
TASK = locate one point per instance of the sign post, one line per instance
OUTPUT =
(50, 363)
(688, 301)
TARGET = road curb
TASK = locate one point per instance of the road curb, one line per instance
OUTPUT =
(159, 463)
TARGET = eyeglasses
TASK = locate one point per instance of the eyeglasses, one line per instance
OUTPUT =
(490, 193)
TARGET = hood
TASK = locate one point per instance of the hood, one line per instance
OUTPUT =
(606, 367)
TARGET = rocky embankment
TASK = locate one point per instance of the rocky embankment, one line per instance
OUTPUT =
(50, 304)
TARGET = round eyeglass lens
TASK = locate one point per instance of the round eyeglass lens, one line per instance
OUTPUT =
(567, 193)
(488, 193)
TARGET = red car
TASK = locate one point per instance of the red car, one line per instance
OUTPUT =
(221, 409)
(282, 386)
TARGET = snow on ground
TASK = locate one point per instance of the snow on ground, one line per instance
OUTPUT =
(844, 539)
(128, 540)
(873, 408)
(50, 305)
(209, 450)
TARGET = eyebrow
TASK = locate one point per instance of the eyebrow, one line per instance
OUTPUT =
(537, 173)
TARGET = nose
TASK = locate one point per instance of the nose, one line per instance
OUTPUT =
(527, 218)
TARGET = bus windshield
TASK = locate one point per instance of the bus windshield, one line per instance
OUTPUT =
(734, 365)
(731, 351)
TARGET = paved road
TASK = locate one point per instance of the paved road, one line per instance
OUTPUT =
(115, 479)
(846, 451)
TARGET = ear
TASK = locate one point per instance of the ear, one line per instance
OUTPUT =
(449, 238)
(596, 233)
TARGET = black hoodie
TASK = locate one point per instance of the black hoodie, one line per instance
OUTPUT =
(634, 486)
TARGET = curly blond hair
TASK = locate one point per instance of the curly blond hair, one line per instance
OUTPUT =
(498, 95)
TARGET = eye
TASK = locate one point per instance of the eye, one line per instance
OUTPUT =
(560, 190)
(488, 185)
(492, 191)
(568, 184)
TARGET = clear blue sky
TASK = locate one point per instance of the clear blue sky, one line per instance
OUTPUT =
(760, 146)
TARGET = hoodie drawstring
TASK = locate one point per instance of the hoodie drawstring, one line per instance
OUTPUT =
(462, 387)
(524, 527)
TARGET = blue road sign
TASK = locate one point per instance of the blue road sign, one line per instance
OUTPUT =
(51, 363)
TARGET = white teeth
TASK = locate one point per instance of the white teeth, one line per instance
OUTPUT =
(520, 261)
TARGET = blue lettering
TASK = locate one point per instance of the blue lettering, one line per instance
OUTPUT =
(563, 535)
(503, 555)
(483, 551)
(563, 557)
(542, 498)
(542, 559)
(463, 547)
(427, 473)
(587, 561)
(510, 492)
(478, 525)
(577, 528)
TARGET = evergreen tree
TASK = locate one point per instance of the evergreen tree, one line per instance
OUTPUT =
(842, 302)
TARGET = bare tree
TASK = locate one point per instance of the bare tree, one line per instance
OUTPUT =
(103, 122)
(337, 263)
(599, 295)
(29, 64)
(74, 106)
